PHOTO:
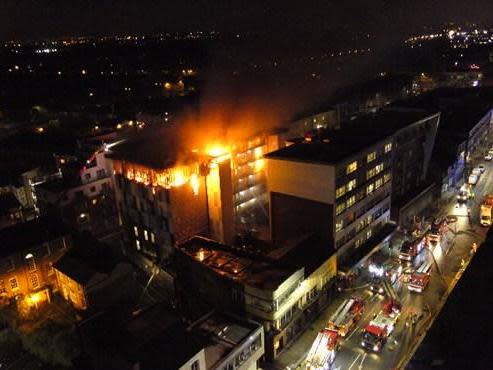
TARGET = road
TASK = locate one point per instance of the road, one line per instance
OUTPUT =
(449, 258)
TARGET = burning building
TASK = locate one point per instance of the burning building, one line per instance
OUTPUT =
(166, 192)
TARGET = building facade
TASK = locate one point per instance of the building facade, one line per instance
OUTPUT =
(284, 295)
(28, 253)
(345, 198)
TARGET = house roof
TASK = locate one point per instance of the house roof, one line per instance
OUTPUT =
(31, 233)
(87, 258)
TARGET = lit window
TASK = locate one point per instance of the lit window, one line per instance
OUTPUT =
(137, 245)
(34, 280)
(350, 201)
(13, 284)
(370, 173)
(340, 191)
(351, 167)
(136, 231)
(368, 234)
(371, 157)
(351, 185)
(388, 147)
(370, 188)
(378, 183)
(386, 177)
(378, 168)
(340, 208)
(2, 288)
(339, 225)
(153, 238)
(146, 236)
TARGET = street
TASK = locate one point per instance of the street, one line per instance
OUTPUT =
(449, 259)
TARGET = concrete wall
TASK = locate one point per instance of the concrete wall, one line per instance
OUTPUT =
(300, 179)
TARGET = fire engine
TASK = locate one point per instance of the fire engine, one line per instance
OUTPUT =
(379, 329)
(323, 350)
(348, 313)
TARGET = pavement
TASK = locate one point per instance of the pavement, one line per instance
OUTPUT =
(450, 259)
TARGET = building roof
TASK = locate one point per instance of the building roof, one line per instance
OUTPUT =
(8, 202)
(353, 137)
(87, 258)
(255, 269)
(156, 338)
(157, 148)
(461, 109)
(31, 233)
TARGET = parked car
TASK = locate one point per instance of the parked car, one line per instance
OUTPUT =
(488, 157)
(482, 167)
(473, 179)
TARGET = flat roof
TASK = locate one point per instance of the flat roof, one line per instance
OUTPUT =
(158, 339)
(29, 234)
(155, 148)
(353, 137)
(257, 270)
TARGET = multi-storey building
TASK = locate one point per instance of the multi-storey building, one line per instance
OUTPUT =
(341, 185)
(283, 289)
(167, 192)
(83, 193)
(27, 254)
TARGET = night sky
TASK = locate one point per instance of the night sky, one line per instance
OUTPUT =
(30, 19)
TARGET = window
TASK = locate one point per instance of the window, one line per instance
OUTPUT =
(370, 173)
(87, 176)
(339, 225)
(388, 147)
(153, 238)
(101, 173)
(386, 177)
(368, 234)
(378, 168)
(371, 157)
(92, 189)
(340, 191)
(370, 188)
(31, 265)
(351, 185)
(340, 208)
(351, 167)
(13, 284)
(378, 183)
(136, 231)
(2, 288)
(195, 365)
(350, 201)
(137, 244)
(34, 280)
(146, 235)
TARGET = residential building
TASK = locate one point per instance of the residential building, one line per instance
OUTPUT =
(465, 126)
(83, 193)
(223, 190)
(27, 253)
(89, 277)
(282, 287)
